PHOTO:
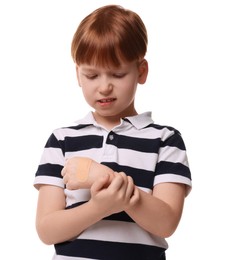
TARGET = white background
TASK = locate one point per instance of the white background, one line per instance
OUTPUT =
(188, 87)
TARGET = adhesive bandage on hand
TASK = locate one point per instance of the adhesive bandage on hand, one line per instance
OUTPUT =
(83, 168)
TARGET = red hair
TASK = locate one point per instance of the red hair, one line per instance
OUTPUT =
(108, 36)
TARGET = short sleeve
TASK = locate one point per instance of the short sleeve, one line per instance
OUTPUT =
(51, 164)
(172, 165)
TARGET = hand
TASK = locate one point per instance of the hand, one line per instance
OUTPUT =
(76, 167)
(120, 195)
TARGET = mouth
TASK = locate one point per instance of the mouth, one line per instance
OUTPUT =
(106, 100)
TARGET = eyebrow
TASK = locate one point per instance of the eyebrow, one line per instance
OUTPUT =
(91, 70)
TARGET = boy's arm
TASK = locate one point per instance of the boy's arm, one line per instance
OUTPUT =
(55, 224)
(159, 213)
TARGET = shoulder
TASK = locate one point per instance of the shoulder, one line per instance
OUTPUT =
(162, 131)
(71, 128)
(145, 121)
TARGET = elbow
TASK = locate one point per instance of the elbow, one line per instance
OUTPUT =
(168, 229)
(170, 224)
(164, 232)
(168, 232)
(44, 233)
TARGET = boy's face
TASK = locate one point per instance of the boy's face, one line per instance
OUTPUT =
(111, 91)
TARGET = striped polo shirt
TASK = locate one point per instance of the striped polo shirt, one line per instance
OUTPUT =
(149, 153)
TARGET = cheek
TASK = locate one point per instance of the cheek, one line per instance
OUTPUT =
(130, 88)
(88, 91)
(88, 97)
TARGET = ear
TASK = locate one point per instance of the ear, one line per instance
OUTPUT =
(77, 74)
(143, 71)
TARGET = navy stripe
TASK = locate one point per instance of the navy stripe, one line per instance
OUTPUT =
(174, 141)
(106, 250)
(77, 127)
(161, 127)
(133, 143)
(121, 216)
(173, 168)
(141, 177)
(73, 144)
(49, 169)
(53, 142)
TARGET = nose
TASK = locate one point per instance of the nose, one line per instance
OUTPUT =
(105, 86)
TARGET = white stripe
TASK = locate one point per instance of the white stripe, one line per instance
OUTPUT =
(131, 158)
(94, 154)
(136, 159)
(62, 133)
(148, 133)
(48, 180)
(174, 178)
(75, 196)
(125, 232)
(173, 154)
(53, 156)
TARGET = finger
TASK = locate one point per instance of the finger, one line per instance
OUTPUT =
(135, 197)
(122, 174)
(124, 177)
(65, 180)
(127, 180)
(130, 187)
(99, 184)
(63, 172)
(117, 183)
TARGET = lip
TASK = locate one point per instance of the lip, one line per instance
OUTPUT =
(106, 101)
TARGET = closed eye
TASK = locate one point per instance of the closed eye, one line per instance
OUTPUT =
(91, 76)
(119, 75)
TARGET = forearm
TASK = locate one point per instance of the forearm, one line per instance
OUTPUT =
(154, 215)
(63, 225)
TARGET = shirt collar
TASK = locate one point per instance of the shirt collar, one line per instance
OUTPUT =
(138, 121)
(87, 120)
(142, 120)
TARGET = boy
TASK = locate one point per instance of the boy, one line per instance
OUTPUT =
(111, 186)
